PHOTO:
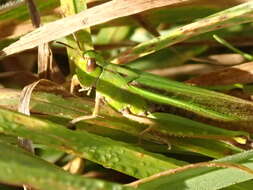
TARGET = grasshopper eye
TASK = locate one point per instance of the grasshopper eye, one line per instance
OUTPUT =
(91, 64)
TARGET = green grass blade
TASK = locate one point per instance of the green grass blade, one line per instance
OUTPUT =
(210, 148)
(182, 127)
(169, 57)
(107, 152)
(234, 49)
(21, 13)
(229, 17)
(241, 186)
(205, 178)
(112, 35)
(19, 167)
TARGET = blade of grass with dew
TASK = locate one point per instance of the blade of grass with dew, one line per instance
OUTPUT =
(20, 167)
(204, 178)
(112, 154)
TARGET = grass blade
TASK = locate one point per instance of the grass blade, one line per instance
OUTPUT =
(228, 45)
(206, 178)
(229, 17)
(20, 167)
(107, 152)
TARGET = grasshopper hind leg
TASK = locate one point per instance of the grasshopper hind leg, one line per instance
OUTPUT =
(140, 119)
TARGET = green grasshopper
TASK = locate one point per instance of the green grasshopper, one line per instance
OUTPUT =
(133, 92)
(129, 91)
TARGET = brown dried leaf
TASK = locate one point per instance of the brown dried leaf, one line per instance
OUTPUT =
(44, 60)
(23, 107)
(236, 74)
(228, 59)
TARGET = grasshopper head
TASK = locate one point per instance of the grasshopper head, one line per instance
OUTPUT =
(92, 59)
(89, 68)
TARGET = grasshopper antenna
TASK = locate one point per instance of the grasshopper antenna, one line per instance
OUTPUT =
(66, 45)
(75, 38)
(77, 42)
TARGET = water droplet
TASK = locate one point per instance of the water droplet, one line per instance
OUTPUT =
(121, 151)
(8, 170)
(131, 171)
(102, 158)
(121, 168)
(115, 159)
(108, 156)
(92, 149)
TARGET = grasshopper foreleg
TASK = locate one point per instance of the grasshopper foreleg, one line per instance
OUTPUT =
(74, 82)
(94, 113)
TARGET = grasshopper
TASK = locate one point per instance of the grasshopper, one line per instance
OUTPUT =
(124, 88)
(133, 92)
(129, 91)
